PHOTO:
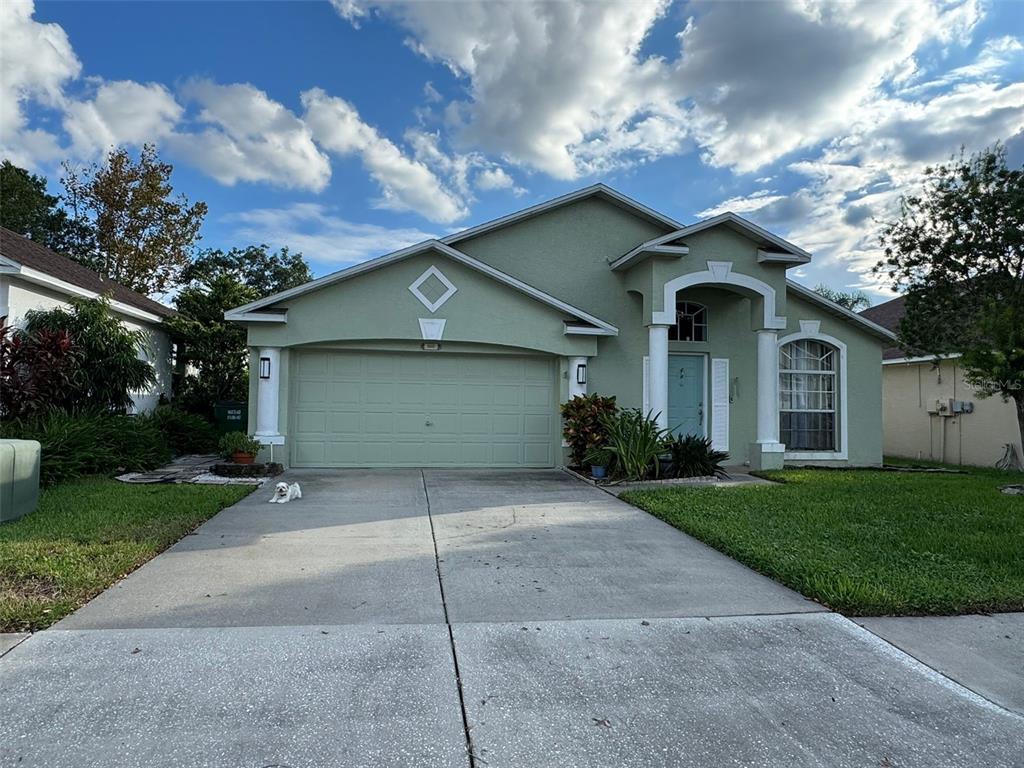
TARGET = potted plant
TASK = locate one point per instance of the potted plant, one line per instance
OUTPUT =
(239, 447)
(599, 458)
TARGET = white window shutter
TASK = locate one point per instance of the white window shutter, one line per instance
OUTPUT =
(647, 391)
(720, 404)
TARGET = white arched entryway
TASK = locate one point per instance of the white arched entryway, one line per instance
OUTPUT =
(721, 274)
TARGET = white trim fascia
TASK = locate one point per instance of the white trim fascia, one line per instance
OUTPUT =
(41, 278)
(842, 312)
(256, 317)
(572, 197)
(844, 422)
(921, 359)
(718, 273)
(728, 217)
(425, 247)
(9, 266)
(775, 257)
(586, 330)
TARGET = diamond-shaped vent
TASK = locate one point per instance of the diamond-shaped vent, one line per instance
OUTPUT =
(433, 289)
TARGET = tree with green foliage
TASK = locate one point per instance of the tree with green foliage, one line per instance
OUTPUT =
(145, 236)
(28, 209)
(957, 251)
(254, 266)
(214, 349)
(109, 366)
(851, 300)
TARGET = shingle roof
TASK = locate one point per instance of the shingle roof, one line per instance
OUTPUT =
(888, 315)
(40, 258)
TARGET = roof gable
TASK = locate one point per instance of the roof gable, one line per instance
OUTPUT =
(601, 191)
(263, 310)
(25, 257)
(776, 250)
(841, 312)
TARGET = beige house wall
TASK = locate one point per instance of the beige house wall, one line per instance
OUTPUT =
(915, 428)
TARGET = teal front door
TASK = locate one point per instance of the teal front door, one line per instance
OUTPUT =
(686, 394)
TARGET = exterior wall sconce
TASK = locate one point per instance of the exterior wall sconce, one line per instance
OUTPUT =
(264, 367)
(581, 373)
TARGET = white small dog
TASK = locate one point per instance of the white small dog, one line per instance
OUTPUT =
(283, 493)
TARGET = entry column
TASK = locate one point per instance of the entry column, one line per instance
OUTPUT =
(768, 451)
(268, 390)
(577, 372)
(657, 375)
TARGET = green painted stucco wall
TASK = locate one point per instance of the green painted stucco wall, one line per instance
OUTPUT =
(566, 253)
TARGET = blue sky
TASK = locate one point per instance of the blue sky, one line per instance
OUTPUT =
(346, 130)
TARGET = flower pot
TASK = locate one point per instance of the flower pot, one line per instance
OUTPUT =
(598, 472)
(664, 466)
(242, 458)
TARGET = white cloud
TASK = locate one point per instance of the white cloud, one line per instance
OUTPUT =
(769, 78)
(406, 184)
(566, 88)
(121, 112)
(321, 236)
(36, 62)
(494, 178)
(250, 137)
(544, 78)
(755, 201)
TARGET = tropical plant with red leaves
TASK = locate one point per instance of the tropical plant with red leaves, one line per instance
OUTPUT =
(582, 425)
(37, 371)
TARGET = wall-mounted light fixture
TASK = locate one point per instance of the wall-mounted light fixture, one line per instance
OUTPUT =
(430, 346)
(581, 373)
(264, 367)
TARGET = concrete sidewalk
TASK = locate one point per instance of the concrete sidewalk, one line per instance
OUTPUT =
(983, 653)
(461, 618)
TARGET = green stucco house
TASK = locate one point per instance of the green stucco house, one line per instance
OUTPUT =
(457, 352)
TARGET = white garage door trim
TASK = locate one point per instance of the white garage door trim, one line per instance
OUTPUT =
(422, 409)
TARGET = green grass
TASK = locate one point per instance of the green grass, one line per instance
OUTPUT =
(867, 542)
(87, 534)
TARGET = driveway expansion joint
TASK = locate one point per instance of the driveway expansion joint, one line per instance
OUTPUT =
(470, 754)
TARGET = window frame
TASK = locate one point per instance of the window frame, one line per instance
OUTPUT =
(675, 329)
(840, 451)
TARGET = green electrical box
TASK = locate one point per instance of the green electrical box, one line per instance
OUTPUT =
(19, 478)
(231, 416)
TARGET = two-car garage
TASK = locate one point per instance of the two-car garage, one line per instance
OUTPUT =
(422, 409)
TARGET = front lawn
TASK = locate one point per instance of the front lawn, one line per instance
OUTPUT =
(87, 534)
(867, 542)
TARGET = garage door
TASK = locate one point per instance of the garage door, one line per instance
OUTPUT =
(422, 410)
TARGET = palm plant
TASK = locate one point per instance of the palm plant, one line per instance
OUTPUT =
(636, 441)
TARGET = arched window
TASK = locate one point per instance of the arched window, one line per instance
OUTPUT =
(691, 322)
(808, 395)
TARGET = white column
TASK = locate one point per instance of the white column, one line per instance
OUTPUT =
(657, 351)
(575, 388)
(768, 389)
(267, 392)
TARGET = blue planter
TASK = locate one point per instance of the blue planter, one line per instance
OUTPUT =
(598, 472)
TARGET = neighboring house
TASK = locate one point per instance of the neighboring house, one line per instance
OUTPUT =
(458, 351)
(34, 277)
(931, 412)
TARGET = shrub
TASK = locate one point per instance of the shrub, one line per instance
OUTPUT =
(582, 427)
(636, 441)
(107, 353)
(37, 370)
(184, 432)
(599, 456)
(693, 456)
(238, 442)
(90, 443)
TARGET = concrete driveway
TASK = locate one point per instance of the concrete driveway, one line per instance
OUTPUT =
(471, 618)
